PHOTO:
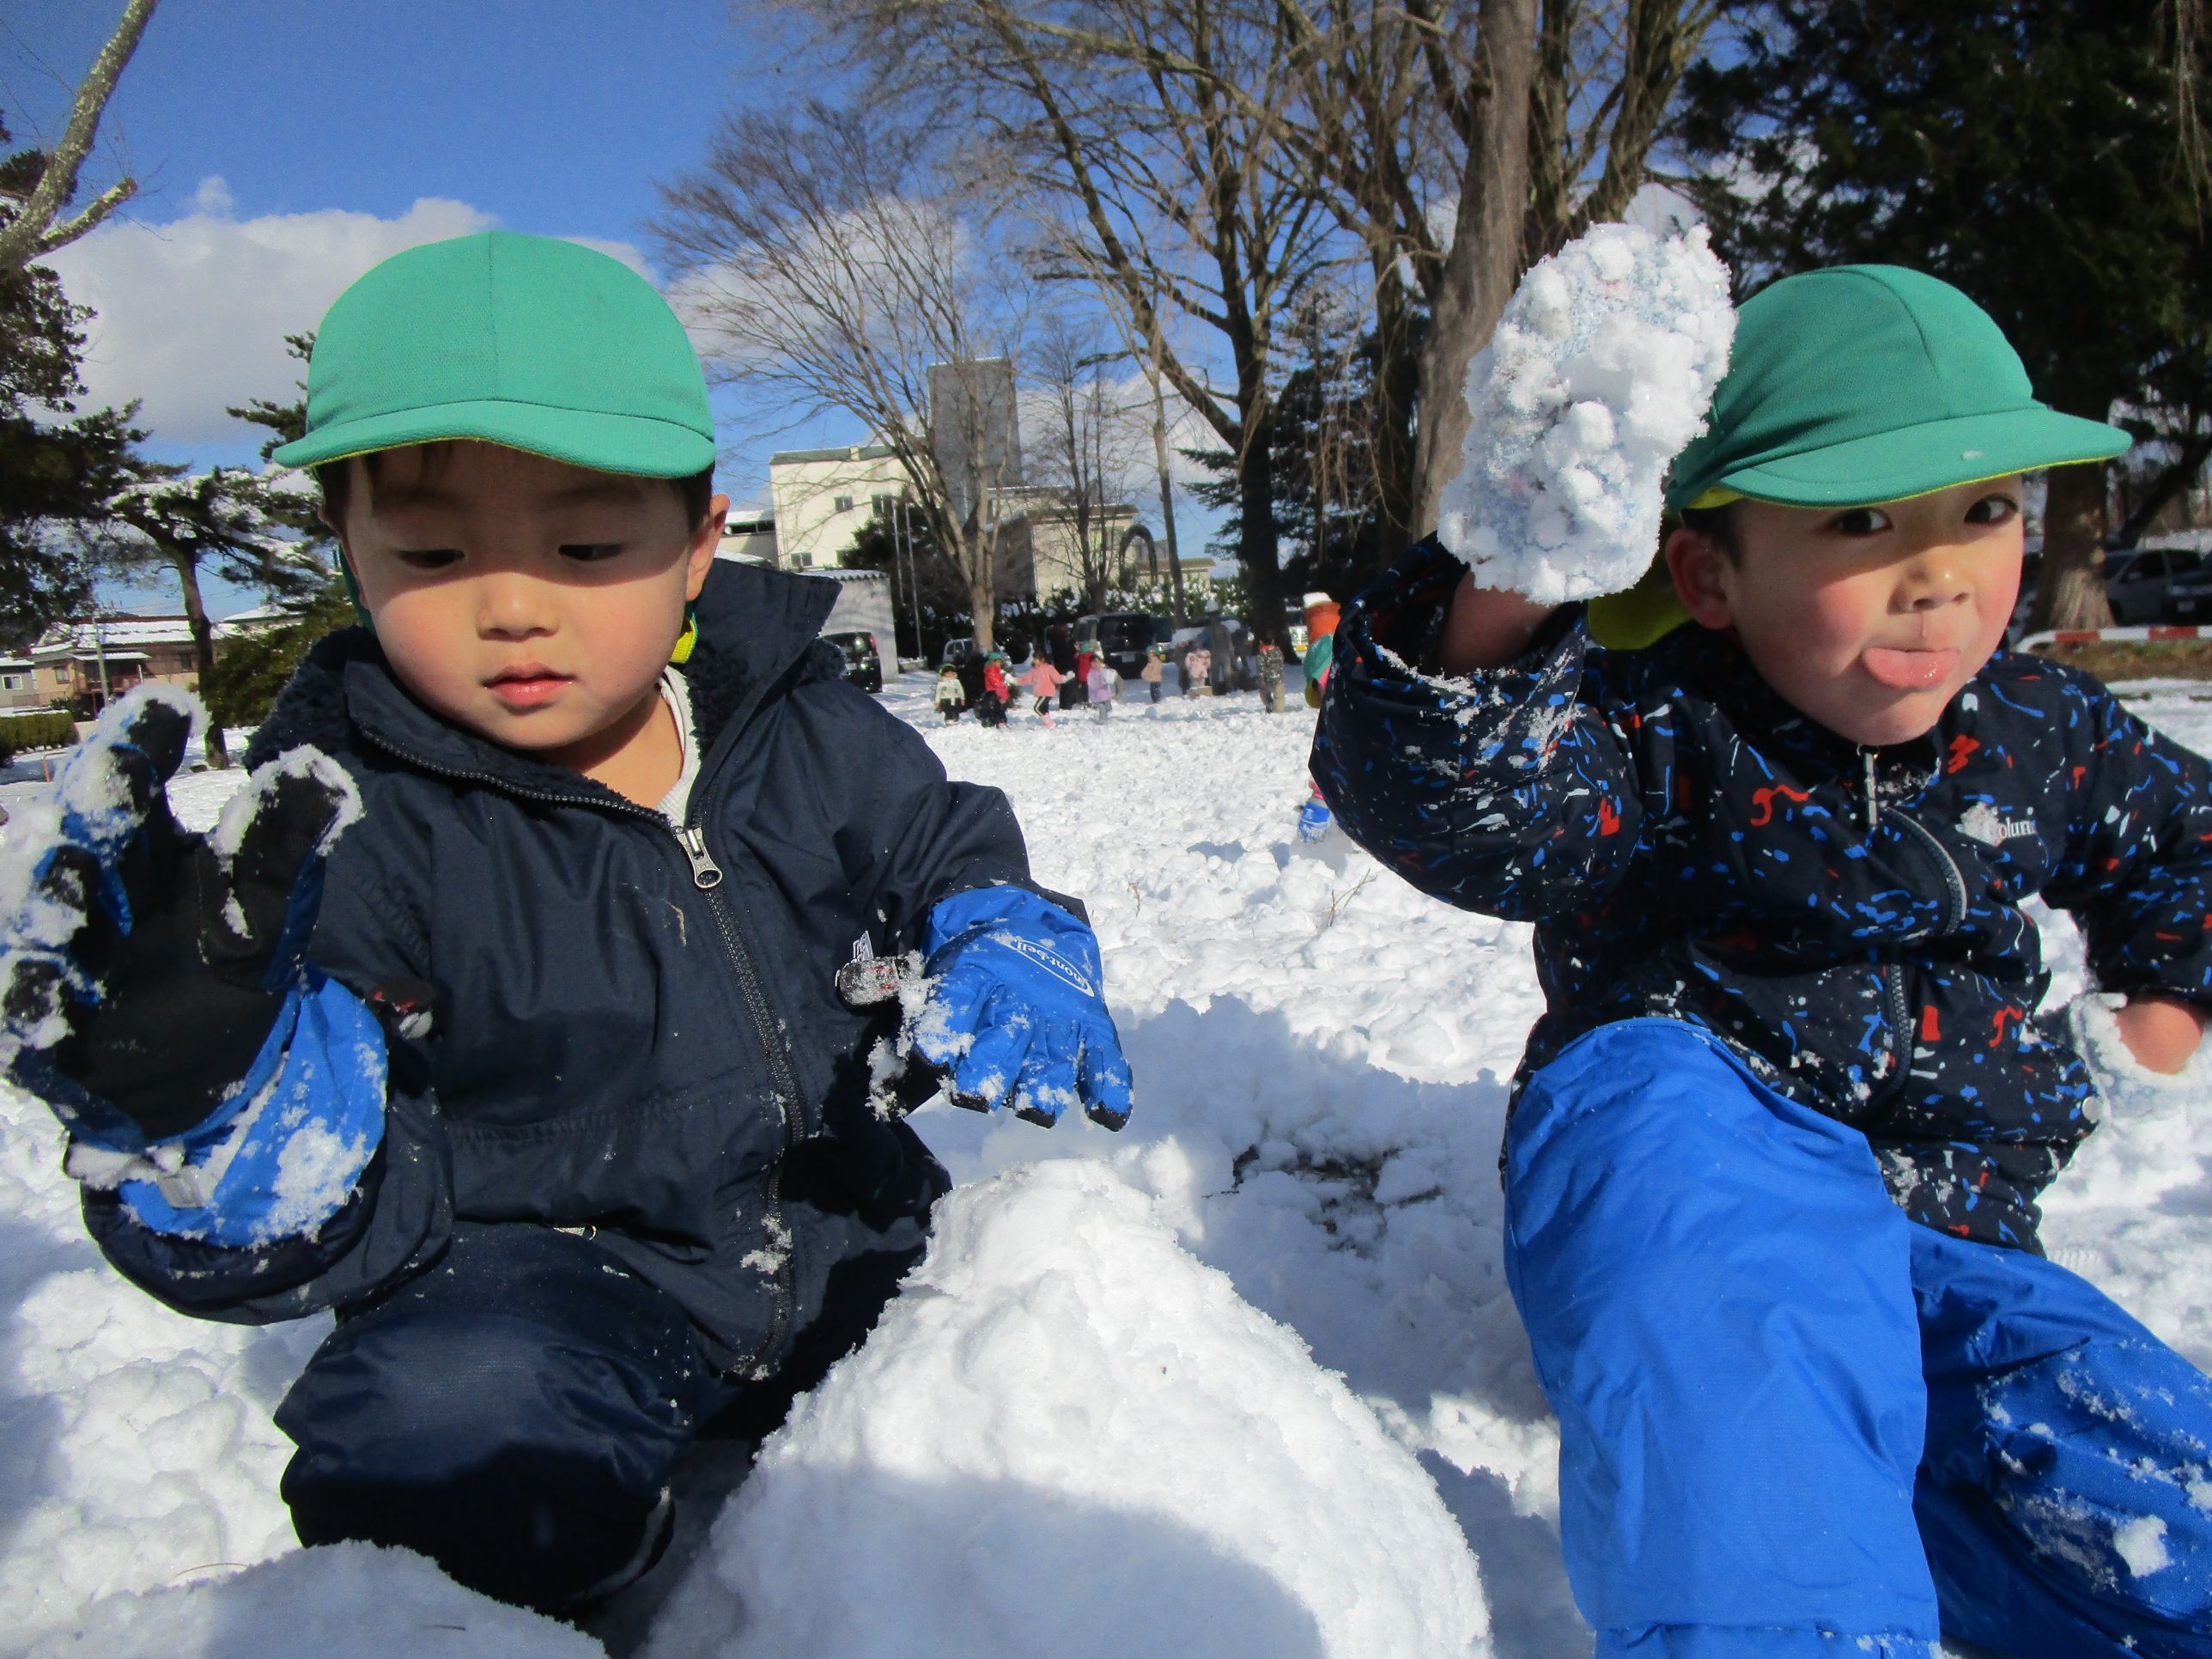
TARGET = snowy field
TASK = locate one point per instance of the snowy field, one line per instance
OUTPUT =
(1090, 1426)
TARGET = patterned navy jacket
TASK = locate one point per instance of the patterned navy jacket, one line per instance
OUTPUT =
(1846, 919)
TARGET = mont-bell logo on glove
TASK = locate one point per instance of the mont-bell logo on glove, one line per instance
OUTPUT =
(1050, 960)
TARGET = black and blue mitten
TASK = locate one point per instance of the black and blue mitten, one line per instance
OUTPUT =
(155, 993)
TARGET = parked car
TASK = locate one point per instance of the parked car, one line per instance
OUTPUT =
(864, 665)
(1124, 637)
(2137, 581)
(955, 651)
(2189, 594)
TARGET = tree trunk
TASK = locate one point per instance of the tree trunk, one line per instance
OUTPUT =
(2071, 592)
(1258, 546)
(1485, 261)
(2177, 475)
(1397, 382)
(980, 555)
(185, 561)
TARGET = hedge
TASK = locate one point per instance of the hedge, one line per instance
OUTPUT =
(52, 728)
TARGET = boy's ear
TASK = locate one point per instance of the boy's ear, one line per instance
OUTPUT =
(1701, 572)
(706, 537)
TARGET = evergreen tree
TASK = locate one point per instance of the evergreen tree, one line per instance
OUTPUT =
(2039, 154)
(1325, 470)
(57, 467)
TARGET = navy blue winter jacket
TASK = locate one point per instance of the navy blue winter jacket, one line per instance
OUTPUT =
(1848, 919)
(614, 1045)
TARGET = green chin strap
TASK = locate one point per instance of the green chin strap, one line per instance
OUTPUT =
(353, 593)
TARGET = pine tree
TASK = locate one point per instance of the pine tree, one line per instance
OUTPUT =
(57, 467)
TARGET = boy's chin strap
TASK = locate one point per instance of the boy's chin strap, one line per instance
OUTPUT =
(353, 593)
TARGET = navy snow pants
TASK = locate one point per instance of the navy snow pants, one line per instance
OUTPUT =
(1792, 1422)
(515, 1410)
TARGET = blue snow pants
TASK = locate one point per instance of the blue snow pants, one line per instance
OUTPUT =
(1792, 1422)
(515, 1410)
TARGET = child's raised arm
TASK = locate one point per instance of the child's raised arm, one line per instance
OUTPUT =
(1455, 741)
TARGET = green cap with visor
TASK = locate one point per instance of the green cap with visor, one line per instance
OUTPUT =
(1852, 385)
(1872, 383)
(525, 341)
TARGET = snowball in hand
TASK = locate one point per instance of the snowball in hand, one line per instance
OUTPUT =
(1598, 374)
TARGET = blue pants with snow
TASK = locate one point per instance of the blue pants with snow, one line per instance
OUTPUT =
(515, 1411)
(1792, 1422)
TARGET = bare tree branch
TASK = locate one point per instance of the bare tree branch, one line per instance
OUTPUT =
(32, 232)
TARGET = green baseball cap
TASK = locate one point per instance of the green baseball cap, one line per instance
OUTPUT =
(526, 341)
(1872, 383)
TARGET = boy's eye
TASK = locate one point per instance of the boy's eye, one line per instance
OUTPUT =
(429, 558)
(1993, 509)
(1860, 522)
(590, 552)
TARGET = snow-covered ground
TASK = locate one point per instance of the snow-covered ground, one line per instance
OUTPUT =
(1091, 1424)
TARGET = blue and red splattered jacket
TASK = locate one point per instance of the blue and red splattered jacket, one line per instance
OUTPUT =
(1847, 919)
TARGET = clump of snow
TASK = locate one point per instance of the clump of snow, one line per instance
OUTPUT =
(1068, 1436)
(305, 761)
(342, 1602)
(2142, 1544)
(1599, 372)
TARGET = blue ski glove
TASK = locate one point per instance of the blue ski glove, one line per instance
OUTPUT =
(1014, 1008)
(153, 991)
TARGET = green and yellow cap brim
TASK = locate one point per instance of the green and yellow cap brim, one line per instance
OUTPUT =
(1907, 461)
(639, 446)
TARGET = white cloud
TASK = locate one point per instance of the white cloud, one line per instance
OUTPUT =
(191, 315)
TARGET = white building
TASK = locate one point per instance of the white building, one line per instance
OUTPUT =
(821, 499)
(748, 535)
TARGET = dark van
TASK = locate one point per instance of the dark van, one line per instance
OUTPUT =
(863, 666)
(1123, 636)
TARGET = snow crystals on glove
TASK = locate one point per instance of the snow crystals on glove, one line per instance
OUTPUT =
(1600, 371)
(91, 804)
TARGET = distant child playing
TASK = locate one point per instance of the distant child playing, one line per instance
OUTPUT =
(1772, 1167)
(523, 1007)
(951, 696)
(1102, 683)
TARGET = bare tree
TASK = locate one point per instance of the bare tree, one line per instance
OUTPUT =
(1145, 131)
(828, 262)
(1446, 144)
(31, 231)
(1466, 139)
(1085, 446)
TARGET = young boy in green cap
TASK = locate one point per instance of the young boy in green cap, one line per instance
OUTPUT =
(1772, 1163)
(537, 1006)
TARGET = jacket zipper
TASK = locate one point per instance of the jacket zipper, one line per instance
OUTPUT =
(1896, 1004)
(783, 1239)
(1955, 884)
(706, 876)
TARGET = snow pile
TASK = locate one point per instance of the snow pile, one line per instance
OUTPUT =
(1321, 1056)
(345, 1601)
(1069, 1437)
(1599, 372)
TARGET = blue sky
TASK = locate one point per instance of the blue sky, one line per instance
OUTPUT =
(277, 143)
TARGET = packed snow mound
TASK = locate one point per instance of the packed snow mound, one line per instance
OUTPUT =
(342, 1602)
(1600, 371)
(1069, 1436)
